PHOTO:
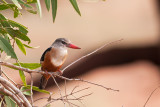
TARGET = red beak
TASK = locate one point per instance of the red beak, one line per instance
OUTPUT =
(73, 46)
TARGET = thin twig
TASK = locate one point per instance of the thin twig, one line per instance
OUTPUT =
(96, 50)
(59, 89)
(63, 96)
(69, 79)
(31, 90)
(65, 85)
(9, 78)
(74, 88)
(13, 43)
(150, 96)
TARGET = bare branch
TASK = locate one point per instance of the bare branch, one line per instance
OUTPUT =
(96, 50)
(51, 73)
(14, 97)
(150, 96)
(69, 79)
(65, 85)
(31, 89)
(63, 96)
(16, 90)
(9, 78)
(58, 88)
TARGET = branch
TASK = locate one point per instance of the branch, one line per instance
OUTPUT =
(9, 78)
(13, 96)
(58, 89)
(96, 50)
(63, 96)
(16, 90)
(31, 89)
(76, 79)
(66, 100)
(150, 96)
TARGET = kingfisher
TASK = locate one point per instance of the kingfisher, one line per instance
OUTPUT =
(53, 58)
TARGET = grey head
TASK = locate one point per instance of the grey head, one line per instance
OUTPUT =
(63, 43)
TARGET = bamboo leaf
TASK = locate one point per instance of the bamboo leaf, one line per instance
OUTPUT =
(54, 9)
(25, 4)
(75, 6)
(25, 91)
(29, 0)
(21, 27)
(16, 12)
(37, 89)
(4, 21)
(47, 2)
(17, 4)
(27, 46)
(29, 65)
(7, 48)
(39, 9)
(16, 33)
(32, 11)
(10, 102)
(23, 77)
(3, 7)
(21, 46)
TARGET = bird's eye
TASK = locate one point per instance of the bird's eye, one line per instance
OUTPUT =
(64, 42)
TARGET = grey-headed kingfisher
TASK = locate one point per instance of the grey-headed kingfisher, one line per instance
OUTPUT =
(53, 58)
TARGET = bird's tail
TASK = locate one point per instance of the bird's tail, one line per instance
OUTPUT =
(43, 82)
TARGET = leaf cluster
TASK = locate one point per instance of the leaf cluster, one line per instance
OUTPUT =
(12, 33)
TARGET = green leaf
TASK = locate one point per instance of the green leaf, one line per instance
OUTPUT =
(17, 4)
(54, 9)
(31, 1)
(39, 9)
(3, 21)
(25, 4)
(23, 77)
(25, 91)
(37, 89)
(47, 2)
(21, 46)
(21, 27)
(16, 33)
(16, 12)
(3, 7)
(6, 36)
(32, 11)
(10, 102)
(7, 48)
(75, 6)
(30, 46)
(29, 65)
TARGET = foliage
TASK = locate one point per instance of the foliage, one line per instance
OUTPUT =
(12, 32)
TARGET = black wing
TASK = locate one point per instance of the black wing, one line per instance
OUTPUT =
(43, 55)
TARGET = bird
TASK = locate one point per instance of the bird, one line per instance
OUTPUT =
(53, 58)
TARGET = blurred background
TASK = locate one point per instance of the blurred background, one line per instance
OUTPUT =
(131, 66)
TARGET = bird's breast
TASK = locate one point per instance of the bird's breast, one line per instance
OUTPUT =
(58, 57)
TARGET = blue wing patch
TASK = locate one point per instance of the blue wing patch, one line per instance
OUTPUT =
(43, 55)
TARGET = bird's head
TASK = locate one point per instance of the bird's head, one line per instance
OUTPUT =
(63, 42)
